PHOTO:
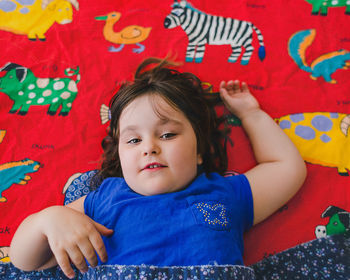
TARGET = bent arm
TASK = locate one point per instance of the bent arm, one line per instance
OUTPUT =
(58, 235)
(30, 248)
(280, 171)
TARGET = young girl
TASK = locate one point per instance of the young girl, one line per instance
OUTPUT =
(163, 200)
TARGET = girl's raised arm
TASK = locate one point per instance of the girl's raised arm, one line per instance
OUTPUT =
(280, 171)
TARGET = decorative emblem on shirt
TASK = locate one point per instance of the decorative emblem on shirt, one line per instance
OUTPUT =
(214, 214)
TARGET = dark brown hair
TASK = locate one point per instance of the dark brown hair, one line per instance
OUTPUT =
(184, 92)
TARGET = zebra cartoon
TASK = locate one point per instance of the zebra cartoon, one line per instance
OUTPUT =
(202, 29)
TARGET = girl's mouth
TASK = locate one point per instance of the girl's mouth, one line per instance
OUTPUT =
(153, 166)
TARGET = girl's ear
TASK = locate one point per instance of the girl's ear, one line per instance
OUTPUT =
(199, 159)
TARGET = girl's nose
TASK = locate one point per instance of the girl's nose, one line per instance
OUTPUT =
(151, 148)
(153, 152)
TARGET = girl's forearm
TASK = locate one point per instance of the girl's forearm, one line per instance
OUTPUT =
(56, 235)
(29, 248)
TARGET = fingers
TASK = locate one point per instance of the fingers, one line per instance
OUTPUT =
(73, 254)
(232, 87)
(102, 229)
(222, 85)
(76, 255)
(89, 246)
(64, 263)
(100, 249)
(97, 241)
(81, 250)
(245, 86)
(87, 251)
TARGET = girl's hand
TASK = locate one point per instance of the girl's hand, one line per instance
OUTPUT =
(73, 237)
(238, 100)
(280, 170)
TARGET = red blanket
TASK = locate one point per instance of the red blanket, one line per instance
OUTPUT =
(60, 64)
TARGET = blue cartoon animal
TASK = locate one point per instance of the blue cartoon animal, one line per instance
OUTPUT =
(202, 29)
(323, 5)
(323, 66)
(321, 138)
(25, 89)
(339, 222)
(16, 173)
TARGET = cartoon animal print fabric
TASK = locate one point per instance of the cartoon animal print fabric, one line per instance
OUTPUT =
(321, 137)
(27, 17)
(132, 34)
(2, 134)
(16, 173)
(323, 66)
(321, 6)
(4, 257)
(339, 222)
(26, 90)
(202, 29)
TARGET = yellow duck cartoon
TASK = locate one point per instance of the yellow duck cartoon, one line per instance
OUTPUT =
(132, 34)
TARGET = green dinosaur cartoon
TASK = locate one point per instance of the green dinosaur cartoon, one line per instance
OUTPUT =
(25, 89)
(323, 5)
(325, 65)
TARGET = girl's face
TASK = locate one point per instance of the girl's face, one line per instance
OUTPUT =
(158, 154)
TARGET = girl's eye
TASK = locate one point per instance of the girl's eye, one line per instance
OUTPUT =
(167, 135)
(133, 141)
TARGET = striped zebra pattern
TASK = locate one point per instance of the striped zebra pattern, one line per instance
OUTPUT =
(202, 29)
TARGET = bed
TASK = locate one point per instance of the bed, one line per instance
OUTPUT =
(62, 60)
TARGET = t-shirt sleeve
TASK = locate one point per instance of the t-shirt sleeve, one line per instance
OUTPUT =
(95, 198)
(242, 200)
(89, 202)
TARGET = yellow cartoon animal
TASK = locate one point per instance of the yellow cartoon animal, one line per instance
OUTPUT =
(32, 20)
(321, 138)
(132, 34)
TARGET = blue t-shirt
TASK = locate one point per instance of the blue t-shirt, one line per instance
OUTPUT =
(202, 224)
